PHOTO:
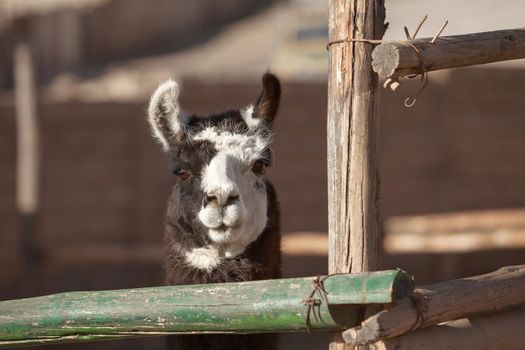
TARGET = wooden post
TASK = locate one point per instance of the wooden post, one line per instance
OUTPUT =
(28, 156)
(27, 131)
(443, 302)
(396, 59)
(353, 181)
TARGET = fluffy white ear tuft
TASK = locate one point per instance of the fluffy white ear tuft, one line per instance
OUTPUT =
(164, 114)
(247, 115)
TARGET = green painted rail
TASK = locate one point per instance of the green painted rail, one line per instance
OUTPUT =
(244, 307)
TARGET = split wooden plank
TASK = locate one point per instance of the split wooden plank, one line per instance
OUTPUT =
(502, 330)
(443, 302)
(396, 59)
(243, 307)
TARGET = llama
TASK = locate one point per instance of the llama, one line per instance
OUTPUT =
(222, 221)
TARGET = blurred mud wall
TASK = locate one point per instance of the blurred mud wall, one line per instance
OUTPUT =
(84, 35)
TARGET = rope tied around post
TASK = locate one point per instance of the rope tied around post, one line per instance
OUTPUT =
(353, 40)
(411, 100)
(311, 302)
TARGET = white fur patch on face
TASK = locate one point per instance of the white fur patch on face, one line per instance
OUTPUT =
(206, 258)
(247, 115)
(244, 147)
(237, 215)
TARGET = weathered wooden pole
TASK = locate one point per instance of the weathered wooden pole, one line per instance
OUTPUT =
(502, 330)
(443, 302)
(27, 131)
(28, 152)
(295, 304)
(400, 58)
(353, 181)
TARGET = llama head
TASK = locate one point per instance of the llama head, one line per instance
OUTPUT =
(220, 194)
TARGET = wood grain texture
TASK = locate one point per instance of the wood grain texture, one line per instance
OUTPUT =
(354, 238)
(396, 59)
(353, 180)
(502, 330)
(443, 302)
(244, 307)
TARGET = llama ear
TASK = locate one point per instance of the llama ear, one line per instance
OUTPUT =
(268, 102)
(164, 114)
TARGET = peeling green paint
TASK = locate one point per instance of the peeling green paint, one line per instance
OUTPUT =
(244, 307)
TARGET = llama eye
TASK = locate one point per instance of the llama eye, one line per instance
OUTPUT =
(183, 174)
(258, 167)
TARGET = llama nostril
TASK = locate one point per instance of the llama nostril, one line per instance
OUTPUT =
(221, 200)
(209, 199)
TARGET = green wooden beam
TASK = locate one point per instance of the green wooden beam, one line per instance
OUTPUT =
(244, 307)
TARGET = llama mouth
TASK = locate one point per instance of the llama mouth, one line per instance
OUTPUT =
(224, 229)
(222, 233)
